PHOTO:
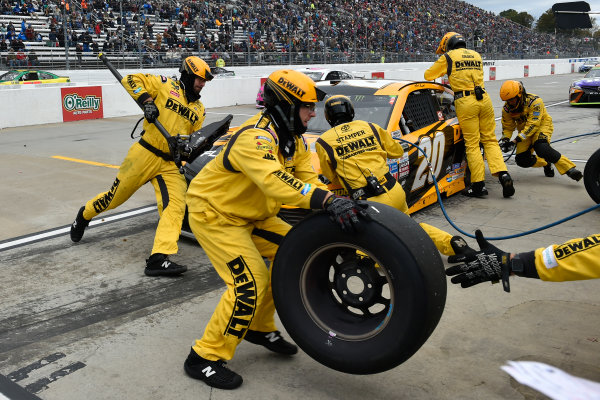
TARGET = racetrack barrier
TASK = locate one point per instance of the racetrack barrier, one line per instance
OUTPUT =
(41, 104)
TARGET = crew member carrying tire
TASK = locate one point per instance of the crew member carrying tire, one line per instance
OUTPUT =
(354, 153)
(233, 204)
(526, 113)
(474, 110)
(151, 159)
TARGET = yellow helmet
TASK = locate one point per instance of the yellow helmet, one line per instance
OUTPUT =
(196, 66)
(451, 41)
(285, 91)
(512, 90)
(289, 86)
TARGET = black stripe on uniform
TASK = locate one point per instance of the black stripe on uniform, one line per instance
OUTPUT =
(164, 192)
(268, 235)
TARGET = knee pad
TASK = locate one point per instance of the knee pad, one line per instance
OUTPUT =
(543, 149)
(525, 159)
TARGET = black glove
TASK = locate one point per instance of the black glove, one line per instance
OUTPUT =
(346, 212)
(150, 111)
(506, 145)
(488, 264)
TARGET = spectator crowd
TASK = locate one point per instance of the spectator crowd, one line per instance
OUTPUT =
(408, 29)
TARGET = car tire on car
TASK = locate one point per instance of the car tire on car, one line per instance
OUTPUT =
(364, 302)
(591, 176)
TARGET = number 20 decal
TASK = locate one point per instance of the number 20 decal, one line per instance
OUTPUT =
(434, 149)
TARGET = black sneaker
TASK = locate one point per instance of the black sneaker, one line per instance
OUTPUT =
(477, 189)
(548, 170)
(213, 373)
(159, 264)
(575, 174)
(272, 341)
(507, 184)
(460, 246)
(78, 226)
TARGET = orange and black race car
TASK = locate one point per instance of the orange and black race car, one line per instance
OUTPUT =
(418, 112)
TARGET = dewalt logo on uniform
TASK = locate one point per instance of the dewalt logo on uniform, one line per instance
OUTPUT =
(467, 64)
(291, 87)
(182, 110)
(567, 249)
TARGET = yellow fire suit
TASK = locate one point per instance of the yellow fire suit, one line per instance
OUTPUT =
(535, 127)
(143, 162)
(576, 259)
(464, 68)
(232, 205)
(352, 151)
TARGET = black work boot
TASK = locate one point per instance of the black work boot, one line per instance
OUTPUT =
(78, 226)
(575, 174)
(213, 373)
(507, 184)
(548, 170)
(159, 264)
(272, 341)
(477, 189)
(460, 246)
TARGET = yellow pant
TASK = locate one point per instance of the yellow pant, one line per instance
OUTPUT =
(139, 167)
(526, 146)
(397, 198)
(237, 252)
(477, 122)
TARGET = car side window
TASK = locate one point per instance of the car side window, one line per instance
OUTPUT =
(31, 76)
(44, 75)
(446, 104)
(421, 109)
(333, 75)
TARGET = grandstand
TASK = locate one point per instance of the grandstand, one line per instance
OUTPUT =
(244, 32)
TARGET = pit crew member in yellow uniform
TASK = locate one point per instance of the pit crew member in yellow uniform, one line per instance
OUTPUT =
(354, 154)
(526, 113)
(576, 259)
(150, 159)
(233, 204)
(474, 111)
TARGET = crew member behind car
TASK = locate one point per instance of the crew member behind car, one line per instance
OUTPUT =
(526, 113)
(233, 204)
(576, 259)
(150, 159)
(474, 111)
(353, 154)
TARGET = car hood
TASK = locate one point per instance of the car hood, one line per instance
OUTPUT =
(590, 82)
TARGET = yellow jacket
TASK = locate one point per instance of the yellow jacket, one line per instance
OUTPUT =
(176, 115)
(464, 68)
(532, 120)
(576, 259)
(355, 150)
(250, 179)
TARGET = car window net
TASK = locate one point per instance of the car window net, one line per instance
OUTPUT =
(420, 110)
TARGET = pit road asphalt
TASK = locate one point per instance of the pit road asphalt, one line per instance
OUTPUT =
(80, 320)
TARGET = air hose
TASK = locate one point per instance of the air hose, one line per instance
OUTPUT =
(529, 232)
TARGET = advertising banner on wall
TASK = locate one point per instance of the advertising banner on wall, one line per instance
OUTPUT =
(526, 71)
(492, 73)
(81, 103)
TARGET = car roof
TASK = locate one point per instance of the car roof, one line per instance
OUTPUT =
(384, 87)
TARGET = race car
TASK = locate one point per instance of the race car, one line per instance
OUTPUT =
(31, 76)
(219, 72)
(586, 66)
(322, 74)
(421, 113)
(587, 89)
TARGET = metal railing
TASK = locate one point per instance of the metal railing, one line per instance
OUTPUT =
(54, 58)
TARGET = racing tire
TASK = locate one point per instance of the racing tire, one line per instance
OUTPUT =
(591, 176)
(359, 303)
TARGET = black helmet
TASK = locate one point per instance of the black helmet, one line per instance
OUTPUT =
(284, 92)
(338, 110)
(451, 41)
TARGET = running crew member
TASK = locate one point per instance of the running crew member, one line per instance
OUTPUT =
(150, 159)
(474, 111)
(233, 204)
(526, 113)
(364, 172)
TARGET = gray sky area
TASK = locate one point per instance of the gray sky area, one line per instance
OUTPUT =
(533, 7)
